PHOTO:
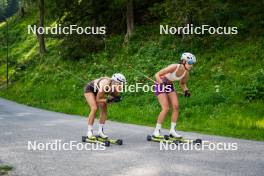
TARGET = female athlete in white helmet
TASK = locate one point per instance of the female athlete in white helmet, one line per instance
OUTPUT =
(95, 93)
(165, 93)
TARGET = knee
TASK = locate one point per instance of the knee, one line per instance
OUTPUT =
(94, 108)
(165, 109)
(175, 107)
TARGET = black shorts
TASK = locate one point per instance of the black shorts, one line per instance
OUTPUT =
(90, 87)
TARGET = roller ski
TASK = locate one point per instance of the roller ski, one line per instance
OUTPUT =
(179, 140)
(174, 136)
(90, 138)
(170, 139)
(164, 138)
(156, 137)
(110, 140)
(103, 138)
(95, 140)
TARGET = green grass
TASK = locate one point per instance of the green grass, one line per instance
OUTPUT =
(233, 64)
(4, 169)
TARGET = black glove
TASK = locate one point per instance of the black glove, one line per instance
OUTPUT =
(187, 93)
(114, 99)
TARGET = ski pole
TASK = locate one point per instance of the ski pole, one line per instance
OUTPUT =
(142, 74)
(71, 74)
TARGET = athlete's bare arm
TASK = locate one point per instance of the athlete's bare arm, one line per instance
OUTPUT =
(164, 71)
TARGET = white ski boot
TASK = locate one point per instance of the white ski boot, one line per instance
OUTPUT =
(156, 134)
(90, 134)
(174, 134)
(102, 135)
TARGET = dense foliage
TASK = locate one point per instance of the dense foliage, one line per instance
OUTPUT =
(112, 14)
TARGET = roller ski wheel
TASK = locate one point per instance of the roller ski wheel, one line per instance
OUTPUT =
(197, 141)
(107, 143)
(119, 141)
(149, 138)
(110, 140)
(84, 138)
(95, 140)
(177, 142)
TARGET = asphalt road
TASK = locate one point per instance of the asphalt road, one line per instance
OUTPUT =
(20, 124)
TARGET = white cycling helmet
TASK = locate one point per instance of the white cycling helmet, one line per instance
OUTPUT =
(189, 57)
(118, 77)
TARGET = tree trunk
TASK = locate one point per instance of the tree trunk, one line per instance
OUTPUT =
(42, 48)
(130, 19)
(22, 11)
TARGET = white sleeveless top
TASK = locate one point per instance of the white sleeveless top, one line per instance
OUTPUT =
(173, 77)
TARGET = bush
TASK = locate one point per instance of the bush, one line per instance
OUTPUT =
(255, 90)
